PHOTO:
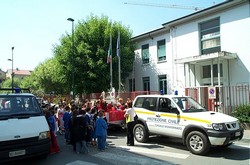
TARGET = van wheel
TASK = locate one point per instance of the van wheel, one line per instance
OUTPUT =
(140, 133)
(198, 143)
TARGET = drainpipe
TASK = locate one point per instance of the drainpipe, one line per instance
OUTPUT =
(219, 83)
(172, 32)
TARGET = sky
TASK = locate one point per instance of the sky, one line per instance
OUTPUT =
(32, 27)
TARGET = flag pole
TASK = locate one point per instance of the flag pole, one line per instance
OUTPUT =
(119, 63)
(109, 61)
(119, 71)
(111, 71)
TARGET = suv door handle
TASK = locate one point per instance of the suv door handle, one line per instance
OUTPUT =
(158, 115)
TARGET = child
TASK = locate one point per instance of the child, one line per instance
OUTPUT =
(101, 131)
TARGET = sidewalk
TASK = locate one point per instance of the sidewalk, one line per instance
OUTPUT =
(246, 134)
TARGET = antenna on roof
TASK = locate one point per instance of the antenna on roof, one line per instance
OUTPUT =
(164, 5)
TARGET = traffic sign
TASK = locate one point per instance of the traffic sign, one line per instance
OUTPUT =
(211, 92)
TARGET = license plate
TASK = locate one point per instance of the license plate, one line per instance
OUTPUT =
(237, 133)
(17, 153)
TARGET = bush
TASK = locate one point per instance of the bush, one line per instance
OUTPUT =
(242, 113)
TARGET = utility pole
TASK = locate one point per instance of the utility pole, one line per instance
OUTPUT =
(12, 69)
(73, 63)
(12, 74)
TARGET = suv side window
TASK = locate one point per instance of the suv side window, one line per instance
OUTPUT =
(139, 102)
(166, 105)
(146, 102)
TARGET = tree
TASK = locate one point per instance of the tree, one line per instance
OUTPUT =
(89, 61)
(50, 78)
(8, 83)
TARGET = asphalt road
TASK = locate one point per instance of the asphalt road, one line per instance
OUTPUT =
(158, 151)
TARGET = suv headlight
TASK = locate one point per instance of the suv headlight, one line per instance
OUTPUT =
(219, 126)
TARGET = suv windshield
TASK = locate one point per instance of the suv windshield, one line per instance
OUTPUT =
(18, 105)
(188, 104)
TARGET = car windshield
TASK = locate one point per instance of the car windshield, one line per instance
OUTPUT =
(13, 105)
(188, 104)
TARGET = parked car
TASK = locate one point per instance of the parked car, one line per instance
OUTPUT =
(183, 117)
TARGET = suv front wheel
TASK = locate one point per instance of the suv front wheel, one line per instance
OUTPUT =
(197, 143)
(140, 133)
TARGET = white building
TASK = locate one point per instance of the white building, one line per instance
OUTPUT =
(197, 54)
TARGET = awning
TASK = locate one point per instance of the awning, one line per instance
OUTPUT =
(206, 57)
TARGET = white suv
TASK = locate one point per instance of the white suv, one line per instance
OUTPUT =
(182, 117)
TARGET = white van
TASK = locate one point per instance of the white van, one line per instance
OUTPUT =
(24, 130)
(182, 117)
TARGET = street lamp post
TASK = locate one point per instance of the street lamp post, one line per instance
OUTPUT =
(12, 71)
(73, 74)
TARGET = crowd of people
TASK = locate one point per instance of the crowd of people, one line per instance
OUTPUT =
(84, 124)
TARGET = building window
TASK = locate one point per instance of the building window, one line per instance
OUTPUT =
(146, 83)
(207, 71)
(163, 84)
(161, 50)
(210, 36)
(145, 54)
(131, 85)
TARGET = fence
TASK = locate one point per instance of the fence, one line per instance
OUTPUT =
(227, 97)
(123, 95)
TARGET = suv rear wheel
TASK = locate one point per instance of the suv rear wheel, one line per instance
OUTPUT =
(140, 133)
(197, 143)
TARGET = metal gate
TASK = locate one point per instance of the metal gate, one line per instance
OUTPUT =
(226, 100)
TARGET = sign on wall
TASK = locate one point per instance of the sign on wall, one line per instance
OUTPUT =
(211, 92)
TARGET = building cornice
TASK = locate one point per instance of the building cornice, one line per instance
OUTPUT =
(204, 13)
(188, 18)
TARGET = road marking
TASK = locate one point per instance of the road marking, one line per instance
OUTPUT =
(122, 159)
(155, 152)
(79, 162)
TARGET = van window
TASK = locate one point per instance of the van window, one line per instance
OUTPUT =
(10, 105)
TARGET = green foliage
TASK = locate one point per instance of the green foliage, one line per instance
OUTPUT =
(49, 77)
(242, 113)
(8, 83)
(88, 64)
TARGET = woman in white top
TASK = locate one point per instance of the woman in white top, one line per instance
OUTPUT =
(129, 115)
